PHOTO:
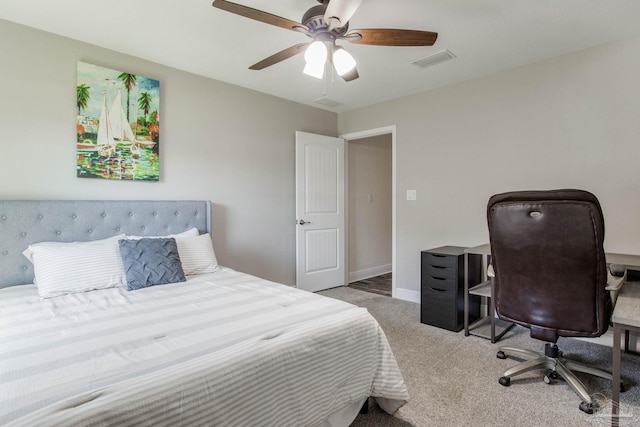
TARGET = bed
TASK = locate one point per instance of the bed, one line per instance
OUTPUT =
(218, 348)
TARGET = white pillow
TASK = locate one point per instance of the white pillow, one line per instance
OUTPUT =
(197, 255)
(29, 251)
(189, 233)
(63, 268)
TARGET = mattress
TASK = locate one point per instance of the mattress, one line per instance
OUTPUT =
(225, 349)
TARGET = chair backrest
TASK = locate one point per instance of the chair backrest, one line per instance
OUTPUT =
(549, 262)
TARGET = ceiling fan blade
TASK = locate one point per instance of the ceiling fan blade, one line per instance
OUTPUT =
(259, 15)
(280, 56)
(351, 75)
(339, 12)
(391, 37)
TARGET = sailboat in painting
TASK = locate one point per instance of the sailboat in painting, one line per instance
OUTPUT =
(118, 119)
(106, 143)
(113, 128)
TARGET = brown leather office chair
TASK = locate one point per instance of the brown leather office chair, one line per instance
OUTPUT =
(550, 275)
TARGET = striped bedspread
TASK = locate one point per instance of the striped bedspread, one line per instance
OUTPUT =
(223, 349)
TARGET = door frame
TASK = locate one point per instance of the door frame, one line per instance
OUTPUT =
(348, 137)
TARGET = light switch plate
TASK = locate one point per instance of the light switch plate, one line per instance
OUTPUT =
(411, 195)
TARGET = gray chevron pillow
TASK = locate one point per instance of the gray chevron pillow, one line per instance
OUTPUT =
(149, 262)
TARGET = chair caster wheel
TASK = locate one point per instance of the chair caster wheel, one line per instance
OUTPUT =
(551, 376)
(505, 381)
(622, 387)
(586, 407)
(501, 355)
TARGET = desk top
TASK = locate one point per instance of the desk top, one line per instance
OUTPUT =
(630, 261)
(627, 309)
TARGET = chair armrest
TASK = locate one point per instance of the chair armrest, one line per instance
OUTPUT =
(616, 276)
(490, 271)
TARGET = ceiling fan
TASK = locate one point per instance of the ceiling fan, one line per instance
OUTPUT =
(326, 23)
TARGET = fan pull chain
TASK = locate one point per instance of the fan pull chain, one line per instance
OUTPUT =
(324, 82)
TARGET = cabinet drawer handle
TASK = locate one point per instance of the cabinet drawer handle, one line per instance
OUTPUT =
(438, 278)
(438, 266)
(438, 289)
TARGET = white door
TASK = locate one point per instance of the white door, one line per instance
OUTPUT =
(320, 212)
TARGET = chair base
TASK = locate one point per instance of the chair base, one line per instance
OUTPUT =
(557, 366)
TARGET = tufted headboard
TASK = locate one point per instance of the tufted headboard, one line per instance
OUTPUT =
(23, 222)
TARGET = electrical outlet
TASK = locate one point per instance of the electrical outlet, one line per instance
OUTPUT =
(411, 195)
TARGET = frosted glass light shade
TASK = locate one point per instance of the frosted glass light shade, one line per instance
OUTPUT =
(315, 57)
(343, 61)
(338, 13)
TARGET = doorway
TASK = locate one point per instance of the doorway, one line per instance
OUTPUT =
(371, 207)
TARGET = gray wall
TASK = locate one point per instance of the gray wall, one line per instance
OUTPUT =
(369, 171)
(219, 142)
(571, 121)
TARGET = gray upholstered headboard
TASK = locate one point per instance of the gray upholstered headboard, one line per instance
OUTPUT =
(23, 222)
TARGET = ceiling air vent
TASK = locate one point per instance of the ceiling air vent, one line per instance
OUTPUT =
(434, 59)
(327, 102)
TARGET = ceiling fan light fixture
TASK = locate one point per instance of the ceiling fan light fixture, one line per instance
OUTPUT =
(338, 13)
(315, 57)
(325, 23)
(343, 61)
(314, 70)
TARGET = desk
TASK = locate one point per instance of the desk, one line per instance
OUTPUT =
(626, 317)
(485, 289)
(632, 262)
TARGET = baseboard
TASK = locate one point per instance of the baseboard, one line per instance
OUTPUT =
(407, 295)
(354, 276)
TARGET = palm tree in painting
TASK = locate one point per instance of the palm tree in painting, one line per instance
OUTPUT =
(82, 97)
(129, 81)
(144, 103)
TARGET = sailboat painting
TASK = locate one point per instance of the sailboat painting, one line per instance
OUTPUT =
(118, 125)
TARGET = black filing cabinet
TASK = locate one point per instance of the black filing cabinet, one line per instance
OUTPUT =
(442, 287)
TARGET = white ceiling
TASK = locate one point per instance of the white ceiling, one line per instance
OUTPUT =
(191, 35)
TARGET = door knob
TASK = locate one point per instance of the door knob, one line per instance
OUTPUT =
(303, 222)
